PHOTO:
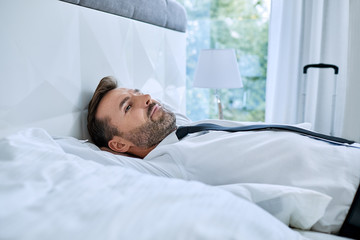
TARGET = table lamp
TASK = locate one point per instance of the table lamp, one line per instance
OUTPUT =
(217, 68)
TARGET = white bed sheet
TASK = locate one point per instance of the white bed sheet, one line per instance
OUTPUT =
(57, 189)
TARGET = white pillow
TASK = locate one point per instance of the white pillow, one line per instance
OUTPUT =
(49, 194)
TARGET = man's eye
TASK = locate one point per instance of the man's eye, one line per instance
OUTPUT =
(127, 108)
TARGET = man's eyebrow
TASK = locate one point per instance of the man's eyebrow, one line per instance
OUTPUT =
(123, 102)
(127, 98)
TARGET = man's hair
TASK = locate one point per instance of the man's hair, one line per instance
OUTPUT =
(101, 131)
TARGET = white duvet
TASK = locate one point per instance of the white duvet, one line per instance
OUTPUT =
(267, 157)
(49, 192)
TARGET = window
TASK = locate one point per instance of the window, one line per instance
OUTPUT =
(243, 26)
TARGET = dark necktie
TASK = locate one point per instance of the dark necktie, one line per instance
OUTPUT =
(182, 131)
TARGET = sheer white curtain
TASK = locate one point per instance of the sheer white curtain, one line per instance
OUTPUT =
(304, 32)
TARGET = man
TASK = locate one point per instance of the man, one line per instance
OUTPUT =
(126, 121)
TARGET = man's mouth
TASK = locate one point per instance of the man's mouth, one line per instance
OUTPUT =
(153, 109)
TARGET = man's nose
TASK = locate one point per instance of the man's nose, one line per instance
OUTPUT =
(144, 100)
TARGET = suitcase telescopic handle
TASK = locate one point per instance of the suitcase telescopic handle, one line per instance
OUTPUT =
(321, 65)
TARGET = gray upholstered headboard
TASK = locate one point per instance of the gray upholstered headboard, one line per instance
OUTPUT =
(164, 13)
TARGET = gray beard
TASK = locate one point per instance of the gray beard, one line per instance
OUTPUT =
(152, 133)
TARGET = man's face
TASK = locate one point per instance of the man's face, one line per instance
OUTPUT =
(139, 118)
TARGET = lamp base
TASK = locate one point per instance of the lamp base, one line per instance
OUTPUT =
(218, 101)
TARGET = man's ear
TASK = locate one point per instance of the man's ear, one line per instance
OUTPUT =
(118, 144)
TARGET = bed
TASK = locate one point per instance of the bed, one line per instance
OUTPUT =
(54, 184)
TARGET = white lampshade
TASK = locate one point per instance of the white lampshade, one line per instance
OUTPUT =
(217, 68)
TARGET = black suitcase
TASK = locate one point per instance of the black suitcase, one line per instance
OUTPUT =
(303, 90)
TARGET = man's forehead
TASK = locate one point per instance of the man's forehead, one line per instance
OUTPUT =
(121, 91)
(127, 90)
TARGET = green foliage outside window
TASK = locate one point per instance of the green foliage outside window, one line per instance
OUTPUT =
(243, 26)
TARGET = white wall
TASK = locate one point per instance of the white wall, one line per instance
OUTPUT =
(53, 55)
